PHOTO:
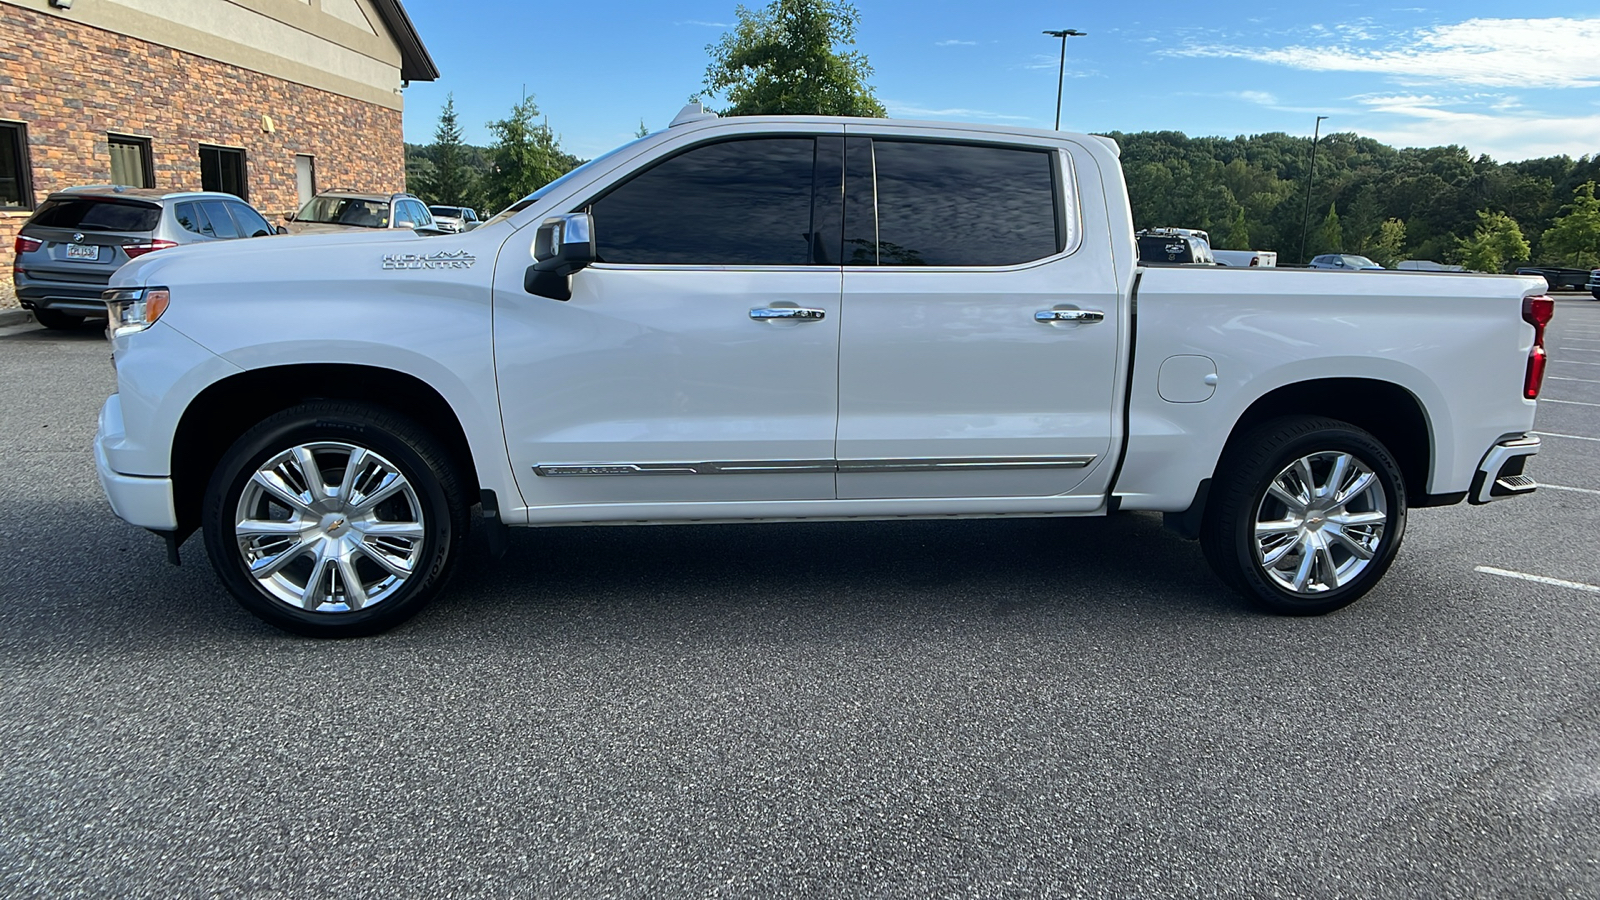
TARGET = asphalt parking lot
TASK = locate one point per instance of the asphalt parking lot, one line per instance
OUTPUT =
(993, 708)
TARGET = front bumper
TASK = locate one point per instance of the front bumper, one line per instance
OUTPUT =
(1500, 475)
(136, 499)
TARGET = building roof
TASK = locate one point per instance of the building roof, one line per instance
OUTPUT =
(415, 63)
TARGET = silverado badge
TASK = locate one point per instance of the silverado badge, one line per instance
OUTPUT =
(444, 259)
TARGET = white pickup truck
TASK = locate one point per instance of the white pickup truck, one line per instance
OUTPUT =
(760, 319)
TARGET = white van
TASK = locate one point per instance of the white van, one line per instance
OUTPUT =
(1262, 258)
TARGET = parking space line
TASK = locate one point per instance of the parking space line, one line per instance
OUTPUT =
(1540, 579)
(1574, 437)
(1566, 402)
(1573, 362)
(1562, 487)
(1584, 380)
(1579, 349)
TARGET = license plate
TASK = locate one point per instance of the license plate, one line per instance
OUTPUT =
(83, 251)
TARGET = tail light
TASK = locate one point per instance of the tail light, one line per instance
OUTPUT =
(140, 249)
(26, 244)
(1536, 311)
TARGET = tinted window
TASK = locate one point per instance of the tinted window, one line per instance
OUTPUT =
(738, 203)
(961, 205)
(418, 213)
(249, 221)
(1164, 249)
(221, 223)
(95, 214)
(16, 178)
(222, 169)
(188, 216)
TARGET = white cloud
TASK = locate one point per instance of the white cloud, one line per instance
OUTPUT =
(900, 109)
(955, 43)
(1523, 53)
(1260, 98)
(1504, 137)
(706, 24)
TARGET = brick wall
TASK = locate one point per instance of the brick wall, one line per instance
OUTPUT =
(71, 84)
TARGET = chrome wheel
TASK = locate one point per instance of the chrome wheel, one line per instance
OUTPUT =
(1320, 523)
(329, 527)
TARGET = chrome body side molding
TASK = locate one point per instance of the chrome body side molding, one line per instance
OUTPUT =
(781, 466)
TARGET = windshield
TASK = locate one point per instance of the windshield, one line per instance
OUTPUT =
(1361, 262)
(534, 197)
(97, 214)
(452, 212)
(345, 211)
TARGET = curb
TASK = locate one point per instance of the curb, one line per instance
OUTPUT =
(10, 317)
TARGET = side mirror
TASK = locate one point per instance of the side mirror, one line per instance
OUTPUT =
(563, 245)
(282, 230)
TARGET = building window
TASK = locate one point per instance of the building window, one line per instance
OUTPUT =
(222, 169)
(130, 161)
(305, 177)
(16, 175)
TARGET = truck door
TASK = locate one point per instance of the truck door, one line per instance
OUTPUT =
(979, 349)
(699, 360)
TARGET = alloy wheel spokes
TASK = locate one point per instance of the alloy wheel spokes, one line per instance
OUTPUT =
(1320, 522)
(329, 527)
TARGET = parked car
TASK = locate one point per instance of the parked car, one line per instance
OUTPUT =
(1558, 278)
(1594, 284)
(70, 246)
(657, 336)
(1175, 246)
(1426, 265)
(1343, 262)
(335, 211)
(455, 219)
(1266, 259)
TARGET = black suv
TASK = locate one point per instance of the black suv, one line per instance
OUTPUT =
(68, 248)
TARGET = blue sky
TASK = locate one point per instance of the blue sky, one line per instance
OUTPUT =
(1510, 83)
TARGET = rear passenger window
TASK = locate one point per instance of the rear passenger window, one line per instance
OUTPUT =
(735, 203)
(958, 205)
(221, 224)
(188, 216)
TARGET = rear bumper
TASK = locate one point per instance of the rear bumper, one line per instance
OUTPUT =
(1500, 475)
(137, 500)
(76, 298)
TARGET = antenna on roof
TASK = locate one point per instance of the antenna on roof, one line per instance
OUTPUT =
(694, 112)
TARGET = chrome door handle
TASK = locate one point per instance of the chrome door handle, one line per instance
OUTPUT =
(1069, 315)
(786, 312)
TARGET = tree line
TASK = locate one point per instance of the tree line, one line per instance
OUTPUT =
(1249, 192)
(1438, 203)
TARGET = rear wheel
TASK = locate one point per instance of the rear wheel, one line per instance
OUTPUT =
(1306, 515)
(1595, 294)
(334, 519)
(51, 318)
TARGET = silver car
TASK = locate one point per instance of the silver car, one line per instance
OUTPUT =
(455, 219)
(343, 211)
(68, 248)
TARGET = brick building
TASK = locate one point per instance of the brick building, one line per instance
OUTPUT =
(268, 99)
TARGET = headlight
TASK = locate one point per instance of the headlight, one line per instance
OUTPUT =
(132, 310)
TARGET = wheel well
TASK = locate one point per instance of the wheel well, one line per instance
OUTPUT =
(220, 414)
(1389, 412)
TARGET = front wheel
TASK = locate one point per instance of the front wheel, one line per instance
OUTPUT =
(334, 519)
(1305, 515)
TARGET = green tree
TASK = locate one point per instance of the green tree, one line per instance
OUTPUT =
(643, 131)
(788, 58)
(526, 155)
(1238, 233)
(1497, 242)
(1574, 238)
(1389, 247)
(449, 180)
(1330, 236)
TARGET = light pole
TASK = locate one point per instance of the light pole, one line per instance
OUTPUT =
(1062, 75)
(1311, 179)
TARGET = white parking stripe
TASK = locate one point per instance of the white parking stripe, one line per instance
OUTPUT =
(1584, 380)
(1566, 402)
(1578, 349)
(1524, 576)
(1562, 487)
(1573, 362)
(1575, 437)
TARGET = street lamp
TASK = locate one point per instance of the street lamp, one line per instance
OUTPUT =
(1062, 75)
(1311, 179)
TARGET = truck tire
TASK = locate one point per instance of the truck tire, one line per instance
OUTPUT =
(1595, 294)
(1305, 515)
(334, 519)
